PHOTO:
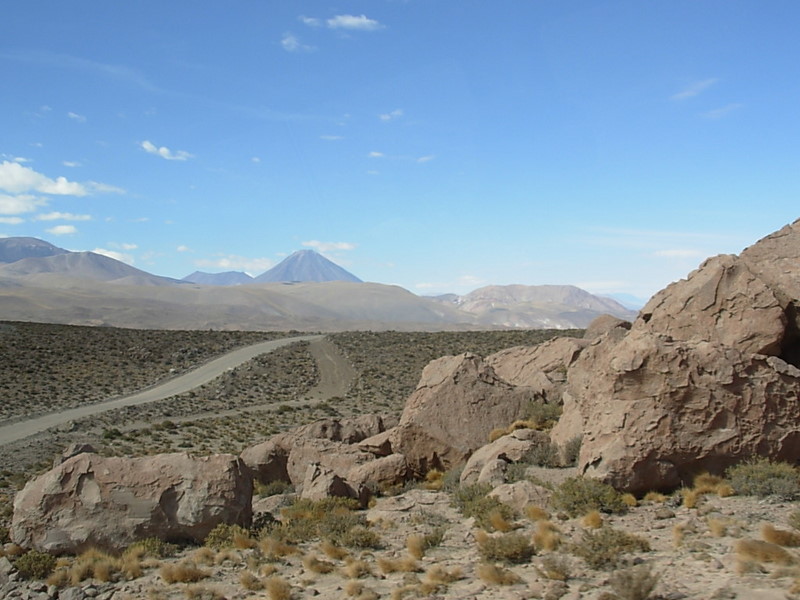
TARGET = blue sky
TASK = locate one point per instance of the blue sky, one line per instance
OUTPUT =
(440, 145)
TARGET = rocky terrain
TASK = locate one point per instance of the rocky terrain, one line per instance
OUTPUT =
(653, 459)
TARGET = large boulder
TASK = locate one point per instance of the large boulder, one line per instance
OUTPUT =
(481, 466)
(457, 403)
(91, 501)
(335, 456)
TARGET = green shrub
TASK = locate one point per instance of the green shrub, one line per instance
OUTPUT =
(577, 496)
(153, 547)
(507, 547)
(222, 536)
(603, 548)
(332, 519)
(542, 415)
(572, 450)
(762, 477)
(472, 501)
(35, 564)
(272, 488)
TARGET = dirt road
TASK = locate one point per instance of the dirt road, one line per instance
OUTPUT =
(331, 370)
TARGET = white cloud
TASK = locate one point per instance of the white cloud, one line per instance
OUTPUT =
(375, 154)
(16, 205)
(291, 43)
(18, 159)
(424, 159)
(182, 248)
(724, 111)
(103, 188)
(120, 256)
(63, 230)
(59, 216)
(331, 138)
(12, 220)
(124, 246)
(696, 88)
(232, 262)
(71, 163)
(255, 159)
(15, 178)
(310, 21)
(359, 23)
(328, 246)
(165, 152)
(76, 117)
(395, 114)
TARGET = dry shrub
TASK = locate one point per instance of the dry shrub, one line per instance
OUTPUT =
(199, 592)
(357, 590)
(717, 527)
(226, 555)
(678, 533)
(315, 565)
(536, 513)
(439, 575)
(243, 541)
(275, 549)
(635, 583)
(267, 570)
(497, 433)
(496, 575)
(498, 520)
(654, 497)
(355, 569)
(400, 565)
(629, 500)
(691, 498)
(781, 537)
(506, 547)
(278, 588)
(593, 519)
(333, 551)
(604, 548)
(224, 535)
(576, 496)
(547, 536)
(554, 567)
(182, 572)
(762, 477)
(204, 556)
(794, 519)
(250, 582)
(434, 480)
(762, 552)
(415, 544)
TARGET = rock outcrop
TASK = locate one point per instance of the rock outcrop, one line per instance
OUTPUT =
(91, 501)
(705, 378)
(457, 403)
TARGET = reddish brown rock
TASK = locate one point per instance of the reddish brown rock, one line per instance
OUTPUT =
(92, 501)
(458, 402)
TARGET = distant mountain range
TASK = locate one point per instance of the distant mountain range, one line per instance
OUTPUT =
(306, 291)
(300, 266)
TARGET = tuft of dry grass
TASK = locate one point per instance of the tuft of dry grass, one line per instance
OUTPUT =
(717, 527)
(439, 575)
(678, 533)
(654, 497)
(496, 575)
(251, 582)
(416, 545)
(629, 500)
(536, 513)
(182, 572)
(399, 565)
(758, 551)
(333, 551)
(199, 592)
(315, 565)
(593, 519)
(355, 569)
(635, 583)
(278, 588)
(547, 536)
(275, 549)
(554, 567)
(781, 537)
(506, 547)
(498, 520)
(434, 480)
(204, 556)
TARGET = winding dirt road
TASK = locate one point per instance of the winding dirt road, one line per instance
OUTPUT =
(334, 379)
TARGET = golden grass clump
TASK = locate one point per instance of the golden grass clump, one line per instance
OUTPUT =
(781, 537)
(399, 565)
(274, 549)
(251, 582)
(243, 541)
(182, 572)
(654, 498)
(333, 551)
(678, 533)
(439, 575)
(278, 588)
(629, 500)
(227, 555)
(763, 552)
(717, 527)
(434, 480)
(547, 536)
(204, 556)
(554, 567)
(498, 521)
(315, 565)
(357, 590)
(355, 569)
(536, 513)
(505, 547)
(593, 519)
(691, 498)
(267, 570)
(496, 575)
(200, 592)
(416, 545)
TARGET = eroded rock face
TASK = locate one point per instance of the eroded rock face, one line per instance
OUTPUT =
(92, 501)
(481, 466)
(458, 402)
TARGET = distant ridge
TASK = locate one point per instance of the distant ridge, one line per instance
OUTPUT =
(305, 266)
(16, 248)
(225, 278)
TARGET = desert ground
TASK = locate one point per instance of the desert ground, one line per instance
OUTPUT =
(427, 539)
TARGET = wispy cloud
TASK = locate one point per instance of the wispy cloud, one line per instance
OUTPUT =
(63, 230)
(353, 22)
(76, 117)
(375, 154)
(183, 248)
(291, 43)
(424, 159)
(723, 111)
(71, 164)
(165, 152)
(120, 256)
(694, 89)
(12, 220)
(310, 21)
(391, 116)
(328, 246)
(331, 138)
(61, 216)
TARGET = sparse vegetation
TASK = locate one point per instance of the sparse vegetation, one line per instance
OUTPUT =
(634, 583)
(761, 477)
(488, 512)
(505, 547)
(577, 496)
(35, 564)
(603, 548)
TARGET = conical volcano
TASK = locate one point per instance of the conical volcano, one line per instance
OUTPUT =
(306, 265)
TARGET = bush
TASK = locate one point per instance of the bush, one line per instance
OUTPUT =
(35, 564)
(572, 450)
(542, 416)
(603, 548)
(506, 547)
(577, 496)
(636, 583)
(472, 501)
(152, 547)
(762, 477)
(332, 519)
(222, 536)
